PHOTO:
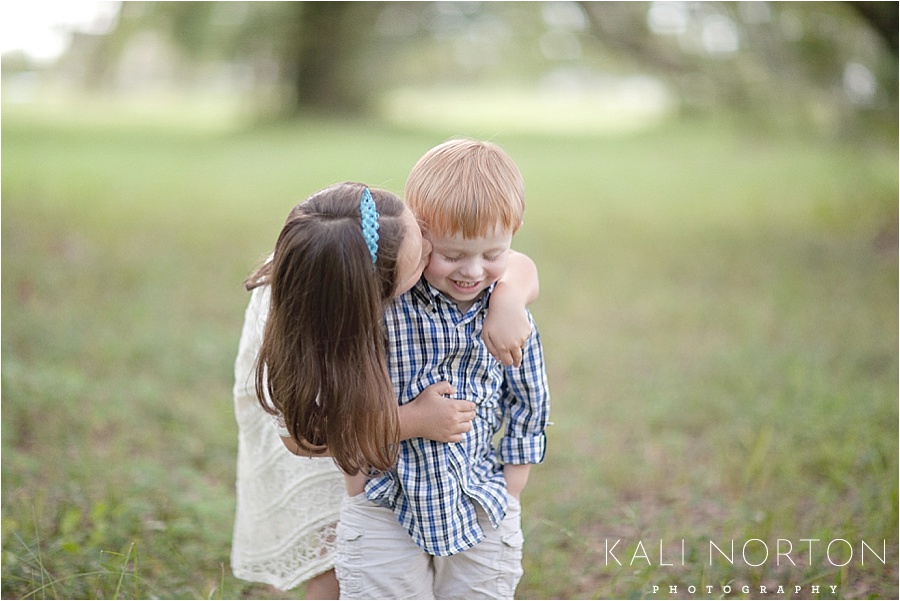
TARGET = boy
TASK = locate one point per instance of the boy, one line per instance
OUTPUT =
(445, 523)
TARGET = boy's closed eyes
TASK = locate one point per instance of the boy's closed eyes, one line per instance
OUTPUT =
(462, 268)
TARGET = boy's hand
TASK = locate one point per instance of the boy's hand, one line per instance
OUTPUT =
(505, 334)
(434, 416)
(516, 477)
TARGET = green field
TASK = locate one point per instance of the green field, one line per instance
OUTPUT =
(718, 310)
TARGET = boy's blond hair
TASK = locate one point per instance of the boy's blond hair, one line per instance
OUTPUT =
(466, 187)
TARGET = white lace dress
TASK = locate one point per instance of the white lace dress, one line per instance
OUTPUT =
(287, 506)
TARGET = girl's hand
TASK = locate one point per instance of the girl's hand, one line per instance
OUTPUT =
(434, 416)
(506, 327)
(506, 332)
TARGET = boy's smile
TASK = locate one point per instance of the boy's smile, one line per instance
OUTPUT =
(462, 268)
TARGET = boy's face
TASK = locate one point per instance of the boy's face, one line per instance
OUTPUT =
(462, 268)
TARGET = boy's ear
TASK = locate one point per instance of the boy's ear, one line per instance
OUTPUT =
(427, 234)
(423, 226)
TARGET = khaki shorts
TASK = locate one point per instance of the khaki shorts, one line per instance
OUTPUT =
(377, 559)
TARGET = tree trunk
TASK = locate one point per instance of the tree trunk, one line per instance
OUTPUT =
(882, 17)
(322, 56)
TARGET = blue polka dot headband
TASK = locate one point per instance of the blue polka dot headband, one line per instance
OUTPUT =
(369, 220)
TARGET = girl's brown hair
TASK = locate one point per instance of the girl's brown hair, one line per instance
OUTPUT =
(322, 363)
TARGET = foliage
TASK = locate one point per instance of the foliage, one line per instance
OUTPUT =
(718, 309)
(818, 63)
(778, 61)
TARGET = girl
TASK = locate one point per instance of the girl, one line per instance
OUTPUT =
(315, 322)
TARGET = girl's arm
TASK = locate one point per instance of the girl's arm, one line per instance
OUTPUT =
(506, 327)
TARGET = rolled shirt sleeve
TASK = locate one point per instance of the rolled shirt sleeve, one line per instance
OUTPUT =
(526, 406)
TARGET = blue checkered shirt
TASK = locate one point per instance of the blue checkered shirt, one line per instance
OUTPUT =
(435, 486)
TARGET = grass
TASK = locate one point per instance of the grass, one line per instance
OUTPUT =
(718, 309)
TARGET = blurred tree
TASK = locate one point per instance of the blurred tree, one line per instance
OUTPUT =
(309, 50)
(883, 17)
(819, 60)
(778, 60)
(319, 58)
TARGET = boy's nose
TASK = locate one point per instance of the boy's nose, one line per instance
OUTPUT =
(471, 269)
